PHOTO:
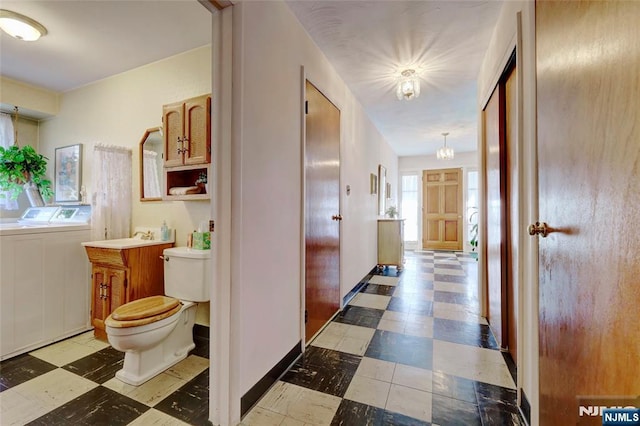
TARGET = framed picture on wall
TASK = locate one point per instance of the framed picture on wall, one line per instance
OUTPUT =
(68, 173)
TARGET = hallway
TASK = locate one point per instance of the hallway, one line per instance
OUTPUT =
(408, 350)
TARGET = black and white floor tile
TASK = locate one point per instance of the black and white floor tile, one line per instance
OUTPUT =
(409, 349)
(72, 383)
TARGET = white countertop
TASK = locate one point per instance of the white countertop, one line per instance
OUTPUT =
(124, 243)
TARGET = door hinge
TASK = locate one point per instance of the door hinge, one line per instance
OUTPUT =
(306, 316)
(306, 107)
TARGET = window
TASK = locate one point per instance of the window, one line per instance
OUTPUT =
(409, 206)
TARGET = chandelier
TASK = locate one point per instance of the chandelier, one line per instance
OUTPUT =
(445, 153)
(408, 86)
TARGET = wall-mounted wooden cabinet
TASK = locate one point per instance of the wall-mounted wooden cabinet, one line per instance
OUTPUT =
(187, 147)
(119, 276)
(187, 132)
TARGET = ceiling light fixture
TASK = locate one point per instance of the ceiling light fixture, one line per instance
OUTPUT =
(20, 26)
(408, 86)
(445, 153)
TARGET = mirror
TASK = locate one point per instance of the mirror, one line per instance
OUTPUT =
(151, 162)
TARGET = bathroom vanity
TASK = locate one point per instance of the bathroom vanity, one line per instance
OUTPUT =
(121, 271)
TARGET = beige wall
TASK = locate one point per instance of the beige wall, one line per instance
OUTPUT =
(33, 101)
(117, 111)
(516, 26)
(270, 47)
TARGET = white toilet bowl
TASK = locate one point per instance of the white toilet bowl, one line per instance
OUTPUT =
(153, 347)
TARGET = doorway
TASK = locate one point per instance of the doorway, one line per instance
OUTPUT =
(442, 211)
(322, 210)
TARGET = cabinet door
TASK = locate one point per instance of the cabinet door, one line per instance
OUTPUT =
(109, 292)
(173, 122)
(197, 124)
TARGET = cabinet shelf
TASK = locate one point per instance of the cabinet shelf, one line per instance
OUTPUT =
(185, 176)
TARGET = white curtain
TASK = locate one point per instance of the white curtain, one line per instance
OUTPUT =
(6, 140)
(111, 212)
(151, 173)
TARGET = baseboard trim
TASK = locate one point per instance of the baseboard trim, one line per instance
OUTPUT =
(525, 407)
(253, 395)
(356, 289)
(201, 331)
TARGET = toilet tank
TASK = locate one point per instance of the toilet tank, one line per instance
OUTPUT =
(187, 273)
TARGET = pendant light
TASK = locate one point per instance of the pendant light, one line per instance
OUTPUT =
(445, 153)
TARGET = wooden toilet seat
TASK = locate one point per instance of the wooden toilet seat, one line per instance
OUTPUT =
(143, 311)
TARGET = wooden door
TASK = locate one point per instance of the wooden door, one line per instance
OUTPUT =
(511, 210)
(173, 125)
(197, 127)
(495, 213)
(442, 211)
(588, 108)
(322, 201)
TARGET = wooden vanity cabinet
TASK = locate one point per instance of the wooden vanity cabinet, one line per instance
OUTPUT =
(119, 276)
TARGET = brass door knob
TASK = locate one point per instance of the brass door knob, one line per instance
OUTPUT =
(539, 228)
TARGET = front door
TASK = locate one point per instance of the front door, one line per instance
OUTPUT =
(322, 208)
(588, 108)
(442, 217)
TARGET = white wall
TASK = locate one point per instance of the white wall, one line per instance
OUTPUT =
(504, 40)
(270, 47)
(117, 111)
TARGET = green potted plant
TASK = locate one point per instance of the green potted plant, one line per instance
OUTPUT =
(20, 166)
(473, 231)
(392, 212)
(202, 181)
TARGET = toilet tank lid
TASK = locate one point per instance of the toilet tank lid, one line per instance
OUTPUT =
(187, 252)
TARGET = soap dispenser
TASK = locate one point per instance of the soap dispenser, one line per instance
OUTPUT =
(164, 231)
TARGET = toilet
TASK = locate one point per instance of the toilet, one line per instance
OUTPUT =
(156, 332)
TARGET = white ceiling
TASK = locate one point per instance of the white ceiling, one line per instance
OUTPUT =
(89, 40)
(368, 42)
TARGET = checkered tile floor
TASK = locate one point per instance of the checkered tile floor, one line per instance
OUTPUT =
(409, 349)
(72, 383)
